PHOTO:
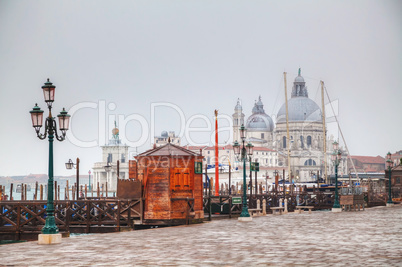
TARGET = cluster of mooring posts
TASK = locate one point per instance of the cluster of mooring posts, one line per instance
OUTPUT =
(66, 193)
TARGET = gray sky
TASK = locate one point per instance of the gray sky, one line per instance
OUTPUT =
(198, 56)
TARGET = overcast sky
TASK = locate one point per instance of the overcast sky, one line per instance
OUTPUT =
(124, 57)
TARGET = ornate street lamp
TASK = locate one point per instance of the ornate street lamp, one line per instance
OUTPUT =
(69, 166)
(389, 165)
(241, 153)
(336, 158)
(50, 227)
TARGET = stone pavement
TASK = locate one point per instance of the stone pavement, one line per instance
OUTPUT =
(366, 238)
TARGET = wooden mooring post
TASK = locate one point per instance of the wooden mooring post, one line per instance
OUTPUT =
(41, 192)
(11, 191)
(36, 191)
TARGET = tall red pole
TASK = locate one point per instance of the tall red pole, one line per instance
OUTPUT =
(216, 155)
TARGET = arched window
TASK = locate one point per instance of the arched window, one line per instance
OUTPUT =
(310, 162)
(284, 142)
(309, 140)
(301, 141)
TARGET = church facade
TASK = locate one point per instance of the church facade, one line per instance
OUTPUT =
(306, 136)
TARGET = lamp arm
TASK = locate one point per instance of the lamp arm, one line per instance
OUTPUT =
(43, 136)
(60, 138)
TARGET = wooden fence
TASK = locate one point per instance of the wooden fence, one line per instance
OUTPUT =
(23, 220)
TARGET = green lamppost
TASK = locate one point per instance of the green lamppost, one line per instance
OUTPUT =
(241, 153)
(389, 165)
(50, 227)
(336, 158)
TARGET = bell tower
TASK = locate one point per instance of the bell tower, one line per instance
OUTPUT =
(238, 120)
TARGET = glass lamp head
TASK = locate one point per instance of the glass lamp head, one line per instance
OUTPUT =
(37, 117)
(48, 92)
(249, 148)
(243, 132)
(69, 164)
(236, 148)
(64, 120)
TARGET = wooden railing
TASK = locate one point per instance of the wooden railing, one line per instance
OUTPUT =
(27, 218)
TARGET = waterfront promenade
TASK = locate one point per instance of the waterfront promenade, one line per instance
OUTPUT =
(366, 238)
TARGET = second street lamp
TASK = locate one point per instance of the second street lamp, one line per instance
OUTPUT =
(50, 232)
(389, 165)
(336, 158)
(242, 152)
(69, 166)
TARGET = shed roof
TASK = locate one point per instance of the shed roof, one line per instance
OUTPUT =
(168, 150)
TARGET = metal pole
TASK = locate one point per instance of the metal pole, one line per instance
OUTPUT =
(256, 184)
(336, 202)
(78, 177)
(244, 212)
(216, 155)
(251, 182)
(389, 187)
(230, 183)
(89, 180)
(50, 224)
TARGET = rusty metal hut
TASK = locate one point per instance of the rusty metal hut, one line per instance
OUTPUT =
(172, 186)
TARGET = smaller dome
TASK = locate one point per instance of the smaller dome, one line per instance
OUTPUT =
(299, 79)
(164, 134)
(260, 122)
(238, 105)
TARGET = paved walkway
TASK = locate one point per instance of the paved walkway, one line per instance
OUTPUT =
(367, 238)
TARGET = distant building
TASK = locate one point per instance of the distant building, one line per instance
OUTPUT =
(265, 156)
(306, 136)
(111, 153)
(367, 164)
(163, 139)
(396, 157)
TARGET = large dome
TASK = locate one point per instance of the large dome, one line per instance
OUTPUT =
(300, 109)
(259, 120)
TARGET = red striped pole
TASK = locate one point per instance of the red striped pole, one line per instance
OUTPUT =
(216, 155)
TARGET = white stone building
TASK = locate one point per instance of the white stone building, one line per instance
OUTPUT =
(163, 139)
(111, 153)
(305, 133)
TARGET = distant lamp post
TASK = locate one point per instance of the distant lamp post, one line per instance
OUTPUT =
(336, 158)
(241, 153)
(389, 165)
(108, 167)
(50, 232)
(69, 166)
(89, 180)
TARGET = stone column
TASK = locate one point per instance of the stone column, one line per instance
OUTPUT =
(264, 207)
(286, 206)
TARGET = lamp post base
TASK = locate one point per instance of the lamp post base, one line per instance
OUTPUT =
(336, 210)
(49, 239)
(390, 204)
(245, 219)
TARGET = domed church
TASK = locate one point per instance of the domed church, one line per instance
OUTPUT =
(305, 131)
